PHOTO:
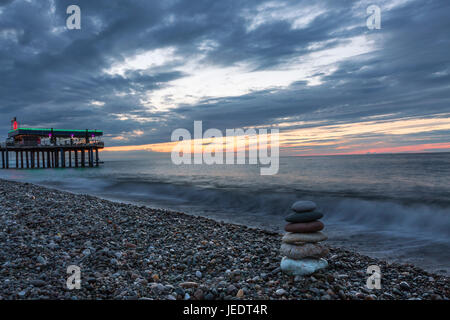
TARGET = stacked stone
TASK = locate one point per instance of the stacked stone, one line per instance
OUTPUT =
(302, 253)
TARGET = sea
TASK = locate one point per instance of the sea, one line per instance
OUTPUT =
(390, 206)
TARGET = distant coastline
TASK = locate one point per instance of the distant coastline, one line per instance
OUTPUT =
(365, 154)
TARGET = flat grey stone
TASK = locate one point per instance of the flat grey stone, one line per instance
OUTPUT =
(304, 217)
(293, 238)
(304, 206)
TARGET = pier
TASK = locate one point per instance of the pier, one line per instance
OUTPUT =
(34, 148)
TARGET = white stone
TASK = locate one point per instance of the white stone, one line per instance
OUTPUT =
(302, 267)
(280, 292)
(304, 206)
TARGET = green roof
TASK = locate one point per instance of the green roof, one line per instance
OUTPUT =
(76, 130)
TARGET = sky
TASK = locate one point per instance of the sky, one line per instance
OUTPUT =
(140, 69)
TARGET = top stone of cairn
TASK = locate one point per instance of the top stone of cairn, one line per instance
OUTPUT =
(303, 206)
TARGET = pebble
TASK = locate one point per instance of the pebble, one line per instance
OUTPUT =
(189, 285)
(307, 250)
(198, 274)
(231, 288)
(198, 294)
(294, 238)
(404, 285)
(304, 227)
(130, 245)
(52, 245)
(38, 283)
(304, 217)
(303, 206)
(22, 293)
(209, 296)
(41, 260)
(302, 267)
(281, 292)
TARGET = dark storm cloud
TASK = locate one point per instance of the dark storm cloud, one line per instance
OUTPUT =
(398, 79)
(5, 2)
(50, 75)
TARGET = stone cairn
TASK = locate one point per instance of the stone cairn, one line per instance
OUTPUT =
(302, 255)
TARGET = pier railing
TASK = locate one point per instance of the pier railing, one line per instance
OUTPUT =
(98, 144)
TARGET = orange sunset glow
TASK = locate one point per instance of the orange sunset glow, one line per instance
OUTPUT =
(338, 139)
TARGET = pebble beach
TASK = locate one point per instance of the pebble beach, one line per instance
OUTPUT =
(126, 251)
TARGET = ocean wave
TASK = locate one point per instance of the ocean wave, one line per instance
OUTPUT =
(377, 214)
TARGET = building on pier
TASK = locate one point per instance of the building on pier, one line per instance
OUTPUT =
(50, 148)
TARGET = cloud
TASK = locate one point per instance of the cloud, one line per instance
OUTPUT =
(154, 66)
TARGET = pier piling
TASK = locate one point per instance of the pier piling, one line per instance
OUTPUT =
(91, 158)
(32, 159)
(63, 158)
(83, 158)
(50, 157)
